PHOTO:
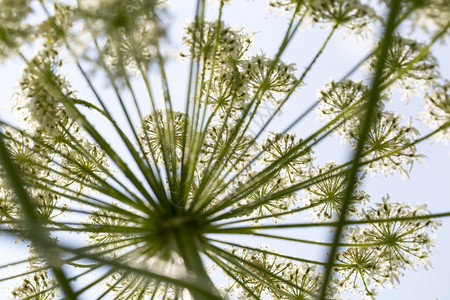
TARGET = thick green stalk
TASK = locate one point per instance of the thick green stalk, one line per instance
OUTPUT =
(188, 247)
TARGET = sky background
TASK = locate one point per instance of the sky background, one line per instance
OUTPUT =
(430, 184)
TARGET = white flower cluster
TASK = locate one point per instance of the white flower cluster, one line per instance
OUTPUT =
(109, 16)
(237, 81)
(83, 170)
(57, 141)
(350, 14)
(130, 29)
(266, 74)
(155, 135)
(209, 40)
(437, 111)
(37, 166)
(228, 91)
(54, 30)
(388, 147)
(130, 54)
(13, 30)
(430, 15)
(327, 195)
(345, 97)
(272, 207)
(287, 279)
(407, 65)
(38, 285)
(299, 158)
(220, 142)
(383, 250)
(113, 243)
(41, 90)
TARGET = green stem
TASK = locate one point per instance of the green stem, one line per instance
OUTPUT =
(367, 123)
(188, 247)
(35, 231)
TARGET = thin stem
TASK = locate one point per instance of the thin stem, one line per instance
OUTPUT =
(367, 123)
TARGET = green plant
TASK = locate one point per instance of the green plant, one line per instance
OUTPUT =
(155, 205)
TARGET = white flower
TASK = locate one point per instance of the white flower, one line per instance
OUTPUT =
(228, 92)
(287, 146)
(350, 14)
(36, 283)
(13, 30)
(268, 75)
(401, 243)
(220, 143)
(402, 62)
(347, 95)
(42, 89)
(153, 134)
(204, 40)
(326, 195)
(437, 111)
(385, 136)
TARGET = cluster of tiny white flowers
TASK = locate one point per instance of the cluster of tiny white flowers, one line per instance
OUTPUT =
(219, 143)
(54, 30)
(401, 61)
(362, 275)
(48, 203)
(36, 163)
(384, 250)
(272, 207)
(8, 207)
(38, 285)
(40, 105)
(437, 111)
(309, 282)
(83, 169)
(131, 54)
(237, 80)
(305, 280)
(131, 30)
(259, 260)
(403, 243)
(327, 195)
(110, 241)
(48, 206)
(335, 97)
(387, 145)
(266, 74)
(109, 16)
(352, 15)
(23, 150)
(210, 39)
(430, 15)
(347, 95)
(41, 89)
(228, 92)
(14, 31)
(278, 146)
(152, 133)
